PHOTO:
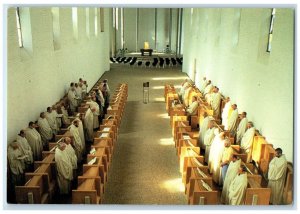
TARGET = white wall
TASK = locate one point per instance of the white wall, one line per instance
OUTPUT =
(145, 25)
(39, 78)
(230, 48)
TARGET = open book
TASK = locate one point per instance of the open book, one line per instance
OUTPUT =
(201, 173)
(186, 137)
(106, 129)
(104, 135)
(206, 186)
(93, 150)
(91, 162)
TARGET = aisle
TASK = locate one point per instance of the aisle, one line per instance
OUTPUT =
(145, 167)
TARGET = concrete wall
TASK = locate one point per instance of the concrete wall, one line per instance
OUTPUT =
(39, 74)
(229, 46)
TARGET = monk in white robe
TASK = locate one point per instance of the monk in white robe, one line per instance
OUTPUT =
(208, 138)
(25, 149)
(64, 169)
(238, 187)
(182, 88)
(65, 116)
(232, 118)
(225, 113)
(193, 108)
(207, 88)
(214, 152)
(203, 129)
(16, 162)
(96, 112)
(89, 124)
(71, 153)
(232, 171)
(277, 176)
(45, 130)
(203, 85)
(78, 146)
(51, 118)
(78, 92)
(35, 141)
(186, 95)
(72, 100)
(216, 102)
(101, 98)
(84, 90)
(81, 133)
(242, 127)
(226, 158)
(247, 140)
(217, 159)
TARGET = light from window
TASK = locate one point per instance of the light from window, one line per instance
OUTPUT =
(271, 30)
(20, 40)
(87, 22)
(117, 18)
(122, 29)
(56, 27)
(102, 19)
(75, 22)
(96, 21)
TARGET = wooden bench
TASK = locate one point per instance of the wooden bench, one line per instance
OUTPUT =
(90, 186)
(197, 193)
(40, 185)
(255, 194)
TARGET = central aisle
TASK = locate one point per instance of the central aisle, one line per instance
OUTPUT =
(145, 168)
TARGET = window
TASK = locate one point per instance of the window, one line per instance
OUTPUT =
(102, 19)
(96, 21)
(87, 22)
(75, 22)
(56, 27)
(20, 40)
(271, 30)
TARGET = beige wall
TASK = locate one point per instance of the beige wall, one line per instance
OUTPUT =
(229, 46)
(38, 75)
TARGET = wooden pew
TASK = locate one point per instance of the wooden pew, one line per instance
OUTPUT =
(105, 135)
(193, 165)
(255, 194)
(90, 186)
(101, 154)
(288, 187)
(197, 193)
(185, 154)
(40, 185)
(187, 143)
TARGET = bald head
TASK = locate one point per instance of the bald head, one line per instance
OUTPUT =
(227, 143)
(67, 140)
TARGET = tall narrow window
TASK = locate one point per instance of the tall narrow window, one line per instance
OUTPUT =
(56, 27)
(102, 19)
(117, 18)
(20, 40)
(87, 22)
(122, 28)
(75, 22)
(114, 17)
(271, 30)
(96, 21)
